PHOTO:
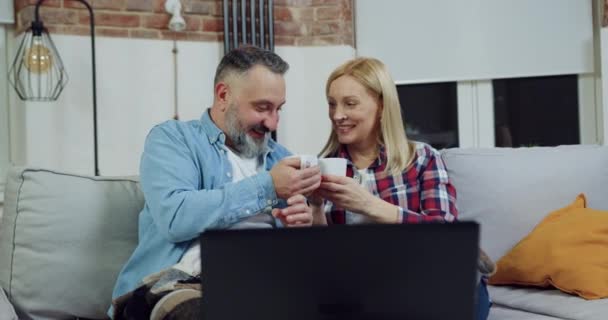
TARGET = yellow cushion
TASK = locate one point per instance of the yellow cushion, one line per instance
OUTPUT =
(568, 249)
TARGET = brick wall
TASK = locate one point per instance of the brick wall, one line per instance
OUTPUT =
(297, 22)
(314, 22)
(605, 20)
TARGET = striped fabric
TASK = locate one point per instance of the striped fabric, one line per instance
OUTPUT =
(423, 191)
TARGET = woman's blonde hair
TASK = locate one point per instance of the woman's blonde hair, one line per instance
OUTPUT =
(374, 76)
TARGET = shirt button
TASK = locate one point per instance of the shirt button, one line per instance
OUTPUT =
(229, 174)
(247, 211)
(269, 202)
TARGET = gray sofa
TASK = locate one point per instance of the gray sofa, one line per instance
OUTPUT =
(64, 237)
(508, 191)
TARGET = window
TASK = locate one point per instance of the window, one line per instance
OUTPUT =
(515, 112)
(430, 113)
(537, 111)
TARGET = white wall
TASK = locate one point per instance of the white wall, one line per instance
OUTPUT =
(135, 91)
(4, 123)
(304, 125)
(6, 12)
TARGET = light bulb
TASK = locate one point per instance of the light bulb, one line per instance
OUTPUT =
(38, 58)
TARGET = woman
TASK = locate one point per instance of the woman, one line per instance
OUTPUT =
(389, 179)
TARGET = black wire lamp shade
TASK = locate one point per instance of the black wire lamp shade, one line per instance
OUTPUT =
(38, 74)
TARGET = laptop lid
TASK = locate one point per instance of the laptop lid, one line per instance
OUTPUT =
(422, 271)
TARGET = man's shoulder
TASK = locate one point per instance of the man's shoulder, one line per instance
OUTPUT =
(177, 128)
(177, 125)
(278, 149)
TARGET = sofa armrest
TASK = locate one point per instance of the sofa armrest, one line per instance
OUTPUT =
(63, 240)
(6, 308)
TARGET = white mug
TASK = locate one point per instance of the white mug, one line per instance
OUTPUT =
(306, 160)
(333, 166)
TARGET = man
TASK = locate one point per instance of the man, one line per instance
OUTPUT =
(220, 172)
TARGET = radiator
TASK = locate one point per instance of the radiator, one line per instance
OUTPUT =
(248, 22)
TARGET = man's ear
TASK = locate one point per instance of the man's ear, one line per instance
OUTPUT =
(222, 94)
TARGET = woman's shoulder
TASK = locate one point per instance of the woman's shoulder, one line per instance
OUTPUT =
(426, 160)
(424, 151)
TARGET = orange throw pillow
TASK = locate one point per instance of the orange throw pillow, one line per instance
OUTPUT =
(568, 250)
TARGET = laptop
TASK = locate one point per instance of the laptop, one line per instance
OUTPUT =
(421, 271)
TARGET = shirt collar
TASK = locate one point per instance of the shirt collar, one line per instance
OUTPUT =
(379, 163)
(211, 130)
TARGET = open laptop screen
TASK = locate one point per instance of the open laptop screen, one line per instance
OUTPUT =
(424, 271)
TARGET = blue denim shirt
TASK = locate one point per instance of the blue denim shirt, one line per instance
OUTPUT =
(186, 179)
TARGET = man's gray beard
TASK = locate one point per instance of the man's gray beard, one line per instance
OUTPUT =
(243, 144)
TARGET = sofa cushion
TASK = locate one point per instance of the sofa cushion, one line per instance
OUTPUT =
(498, 312)
(508, 191)
(63, 240)
(568, 250)
(553, 303)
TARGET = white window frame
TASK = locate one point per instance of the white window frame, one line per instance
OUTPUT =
(475, 114)
(590, 109)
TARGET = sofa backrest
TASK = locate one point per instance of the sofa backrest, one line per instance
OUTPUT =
(63, 240)
(508, 191)
(65, 237)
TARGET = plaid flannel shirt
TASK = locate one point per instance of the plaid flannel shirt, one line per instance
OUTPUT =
(423, 191)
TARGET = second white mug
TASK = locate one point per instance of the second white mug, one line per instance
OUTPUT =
(333, 166)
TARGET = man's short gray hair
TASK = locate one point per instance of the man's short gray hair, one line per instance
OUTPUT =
(243, 58)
